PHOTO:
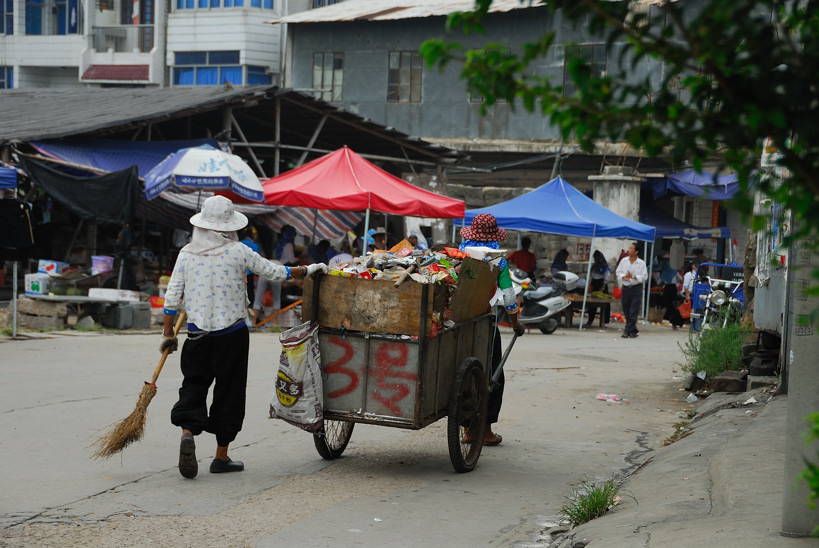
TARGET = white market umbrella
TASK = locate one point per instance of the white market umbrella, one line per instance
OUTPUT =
(204, 168)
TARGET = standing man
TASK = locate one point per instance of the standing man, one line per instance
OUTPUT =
(524, 259)
(631, 273)
(208, 281)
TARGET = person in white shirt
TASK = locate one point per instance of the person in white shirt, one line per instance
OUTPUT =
(688, 281)
(631, 273)
(208, 282)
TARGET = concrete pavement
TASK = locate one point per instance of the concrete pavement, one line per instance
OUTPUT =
(719, 486)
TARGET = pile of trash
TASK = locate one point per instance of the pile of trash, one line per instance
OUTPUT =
(402, 262)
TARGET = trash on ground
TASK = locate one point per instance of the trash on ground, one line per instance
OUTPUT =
(691, 398)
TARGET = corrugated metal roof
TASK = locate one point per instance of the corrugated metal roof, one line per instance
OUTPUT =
(32, 114)
(197, 112)
(386, 10)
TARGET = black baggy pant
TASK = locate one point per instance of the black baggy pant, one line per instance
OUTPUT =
(630, 300)
(670, 302)
(496, 396)
(222, 359)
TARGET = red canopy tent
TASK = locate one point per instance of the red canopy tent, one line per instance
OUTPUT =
(343, 180)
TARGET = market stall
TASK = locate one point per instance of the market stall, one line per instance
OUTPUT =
(343, 180)
(559, 208)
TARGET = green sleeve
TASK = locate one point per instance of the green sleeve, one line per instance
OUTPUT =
(504, 281)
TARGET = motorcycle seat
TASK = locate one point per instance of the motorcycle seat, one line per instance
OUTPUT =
(541, 292)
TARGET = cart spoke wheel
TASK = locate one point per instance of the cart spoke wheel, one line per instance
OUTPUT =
(333, 438)
(466, 423)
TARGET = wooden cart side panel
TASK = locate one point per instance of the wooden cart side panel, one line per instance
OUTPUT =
(343, 372)
(476, 285)
(393, 376)
(375, 306)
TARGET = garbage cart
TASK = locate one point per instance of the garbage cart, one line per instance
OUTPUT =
(390, 358)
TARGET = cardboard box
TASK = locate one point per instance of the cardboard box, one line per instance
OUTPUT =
(38, 284)
(46, 266)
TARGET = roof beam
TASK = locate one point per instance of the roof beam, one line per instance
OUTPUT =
(341, 120)
(395, 159)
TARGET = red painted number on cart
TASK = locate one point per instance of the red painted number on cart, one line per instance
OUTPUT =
(339, 366)
(388, 360)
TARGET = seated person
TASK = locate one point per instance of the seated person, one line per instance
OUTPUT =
(559, 262)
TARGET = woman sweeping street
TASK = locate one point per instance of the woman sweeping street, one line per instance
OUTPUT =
(208, 282)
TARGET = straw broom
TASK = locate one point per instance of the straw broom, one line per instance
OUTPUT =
(132, 427)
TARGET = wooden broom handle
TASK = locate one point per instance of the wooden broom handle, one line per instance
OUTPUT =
(179, 321)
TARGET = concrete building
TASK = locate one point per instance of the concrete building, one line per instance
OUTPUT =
(362, 55)
(140, 43)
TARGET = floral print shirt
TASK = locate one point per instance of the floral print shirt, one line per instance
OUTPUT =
(213, 287)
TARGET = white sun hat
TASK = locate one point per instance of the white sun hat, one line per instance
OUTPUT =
(218, 214)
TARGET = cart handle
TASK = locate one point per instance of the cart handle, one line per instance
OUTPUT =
(499, 370)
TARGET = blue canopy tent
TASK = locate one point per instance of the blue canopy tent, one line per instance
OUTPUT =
(700, 185)
(559, 208)
(669, 227)
(8, 178)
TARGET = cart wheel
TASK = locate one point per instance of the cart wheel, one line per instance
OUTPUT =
(333, 438)
(467, 413)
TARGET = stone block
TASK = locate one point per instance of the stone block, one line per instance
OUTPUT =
(86, 322)
(40, 323)
(41, 308)
(731, 381)
(693, 383)
(761, 381)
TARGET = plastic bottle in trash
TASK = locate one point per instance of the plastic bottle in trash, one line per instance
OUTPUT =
(609, 398)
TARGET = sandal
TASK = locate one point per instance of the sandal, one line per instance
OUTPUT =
(490, 438)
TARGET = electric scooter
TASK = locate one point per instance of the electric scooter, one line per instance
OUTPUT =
(540, 304)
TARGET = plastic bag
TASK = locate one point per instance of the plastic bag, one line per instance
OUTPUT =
(685, 310)
(299, 392)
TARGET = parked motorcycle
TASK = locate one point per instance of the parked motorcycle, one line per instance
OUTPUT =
(540, 305)
(717, 296)
(723, 303)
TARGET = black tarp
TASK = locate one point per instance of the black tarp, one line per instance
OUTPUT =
(109, 198)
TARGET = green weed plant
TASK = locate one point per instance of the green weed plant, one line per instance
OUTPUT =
(811, 472)
(591, 500)
(714, 349)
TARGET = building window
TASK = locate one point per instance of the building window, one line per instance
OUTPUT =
(257, 76)
(328, 75)
(593, 54)
(211, 4)
(53, 17)
(34, 16)
(214, 68)
(322, 3)
(404, 77)
(6, 77)
(7, 9)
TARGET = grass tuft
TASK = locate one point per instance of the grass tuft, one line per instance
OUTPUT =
(714, 349)
(591, 500)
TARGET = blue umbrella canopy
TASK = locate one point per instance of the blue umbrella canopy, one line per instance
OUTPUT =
(204, 168)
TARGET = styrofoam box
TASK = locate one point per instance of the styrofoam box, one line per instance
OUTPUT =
(51, 267)
(38, 284)
(113, 294)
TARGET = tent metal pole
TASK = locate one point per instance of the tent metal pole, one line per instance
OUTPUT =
(647, 286)
(366, 230)
(588, 280)
(14, 300)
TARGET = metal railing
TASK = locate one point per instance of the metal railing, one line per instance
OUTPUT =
(123, 38)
